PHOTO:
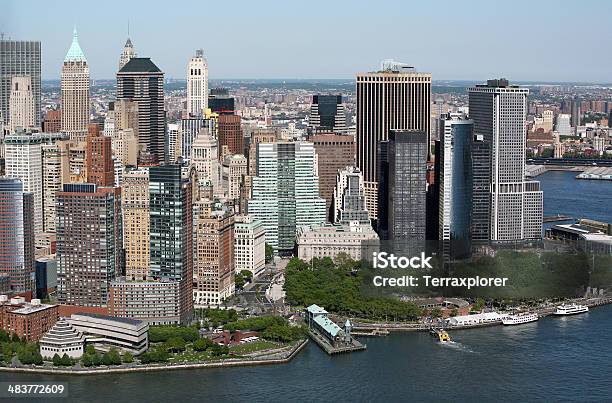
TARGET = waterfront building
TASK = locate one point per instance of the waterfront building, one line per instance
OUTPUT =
(21, 104)
(230, 133)
(249, 245)
(75, 92)
(234, 170)
(455, 183)
(62, 339)
(396, 97)
(475, 319)
(136, 215)
(19, 59)
(89, 243)
(17, 236)
(142, 82)
(349, 197)
(22, 152)
(106, 331)
(214, 275)
(52, 122)
(327, 114)
(99, 161)
(197, 84)
(356, 240)
(285, 192)
(563, 124)
(498, 110)
(405, 182)
(28, 320)
(190, 127)
(154, 302)
(334, 152)
(127, 53)
(205, 159)
(318, 321)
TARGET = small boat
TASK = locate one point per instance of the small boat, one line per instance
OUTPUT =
(571, 309)
(441, 335)
(520, 318)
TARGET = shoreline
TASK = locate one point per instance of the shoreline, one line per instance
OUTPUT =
(239, 362)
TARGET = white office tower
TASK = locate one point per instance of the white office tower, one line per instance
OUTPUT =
(23, 160)
(249, 245)
(349, 197)
(499, 114)
(173, 142)
(205, 159)
(127, 54)
(75, 92)
(285, 192)
(563, 124)
(21, 104)
(197, 84)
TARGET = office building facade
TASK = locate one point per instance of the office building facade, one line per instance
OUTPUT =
(197, 84)
(22, 112)
(327, 114)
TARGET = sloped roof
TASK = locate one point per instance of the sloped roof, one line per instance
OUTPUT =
(75, 53)
(140, 65)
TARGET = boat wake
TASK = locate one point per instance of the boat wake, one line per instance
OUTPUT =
(457, 346)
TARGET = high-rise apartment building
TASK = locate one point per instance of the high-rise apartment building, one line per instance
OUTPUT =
(99, 159)
(230, 134)
(52, 180)
(406, 184)
(395, 98)
(197, 84)
(23, 160)
(142, 82)
(334, 152)
(75, 92)
(563, 126)
(249, 245)
(499, 110)
(327, 114)
(21, 104)
(127, 53)
(136, 215)
(52, 122)
(89, 243)
(214, 274)
(576, 112)
(19, 58)
(455, 182)
(17, 236)
(349, 197)
(285, 192)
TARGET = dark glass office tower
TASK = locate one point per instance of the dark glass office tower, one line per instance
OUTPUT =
(327, 114)
(407, 169)
(219, 101)
(140, 80)
(171, 225)
(17, 235)
(19, 58)
(481, 190)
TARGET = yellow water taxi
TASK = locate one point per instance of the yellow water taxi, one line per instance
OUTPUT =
(441, 335)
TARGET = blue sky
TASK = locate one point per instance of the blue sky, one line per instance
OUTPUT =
(536, 40)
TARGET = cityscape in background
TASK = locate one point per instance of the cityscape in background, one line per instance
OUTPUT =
(141, 201)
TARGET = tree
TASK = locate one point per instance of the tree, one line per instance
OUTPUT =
(436, 313)
(175, 344)
(113, 357)
(454, 312)
(248, 276)
(66, 361)
(128, 358)
(269, 253)
(87, 360)
(218, 350)
(90, 349)
(239, 281)
(57, 360)
(37, 358)
(202, 344)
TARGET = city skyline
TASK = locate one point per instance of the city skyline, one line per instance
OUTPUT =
(505, 50)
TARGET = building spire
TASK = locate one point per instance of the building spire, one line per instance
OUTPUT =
(75, 53)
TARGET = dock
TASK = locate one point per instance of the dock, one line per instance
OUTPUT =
(378, 332)
(341, 347)
(558, 217)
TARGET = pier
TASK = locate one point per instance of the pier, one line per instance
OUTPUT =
(558, 217)
(336, 348)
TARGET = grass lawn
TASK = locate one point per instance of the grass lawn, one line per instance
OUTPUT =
(254, 346)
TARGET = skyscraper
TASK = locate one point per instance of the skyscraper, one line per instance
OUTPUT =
(75, 92)
(21, 105)
(395, 98)
(127, 53)
(136, 215)
(230, 134)
(19, 58)
(100, 170)
(349, 197)
(334, 152)
(141, 81)
(455, 182)
(205, 159)
(576, 112)
(285, 192)
(189, 129)
(17, 236)
(23, 159)
(219, 101)
(327, 113)
(498, 110)
(197, 84)
(407, 168)
(89, 243)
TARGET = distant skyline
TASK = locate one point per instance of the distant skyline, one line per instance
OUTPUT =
(538, 41)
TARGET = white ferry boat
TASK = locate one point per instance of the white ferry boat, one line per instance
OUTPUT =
(520, 318)
(571, 309)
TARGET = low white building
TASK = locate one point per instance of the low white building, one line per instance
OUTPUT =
(356, 240)
(62, 339)
(123, 333)
(476, 319)
(249, 245)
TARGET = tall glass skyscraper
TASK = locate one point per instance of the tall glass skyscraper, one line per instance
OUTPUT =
(19, 58)
(285, 192)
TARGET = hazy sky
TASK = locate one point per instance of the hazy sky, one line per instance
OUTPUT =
(535, 40)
